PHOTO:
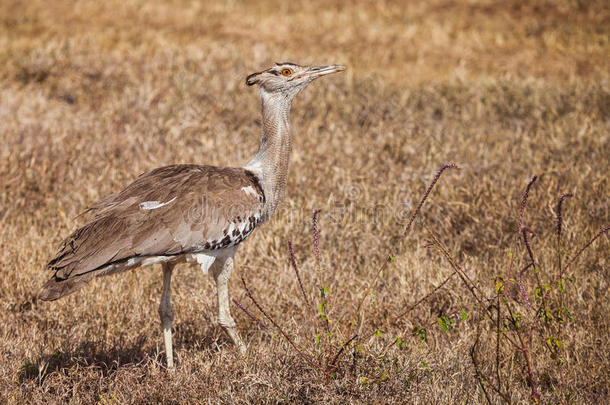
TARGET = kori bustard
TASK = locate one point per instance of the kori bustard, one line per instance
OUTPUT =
(189, 212)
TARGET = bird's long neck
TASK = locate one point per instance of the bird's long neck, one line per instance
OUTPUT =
(271, 161)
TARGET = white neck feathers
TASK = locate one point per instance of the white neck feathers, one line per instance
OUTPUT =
(270, 164)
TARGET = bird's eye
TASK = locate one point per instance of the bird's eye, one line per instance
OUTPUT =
(286, 72)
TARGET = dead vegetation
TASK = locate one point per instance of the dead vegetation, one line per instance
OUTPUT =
(95, 93)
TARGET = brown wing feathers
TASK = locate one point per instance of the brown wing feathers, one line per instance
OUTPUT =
(169, 211)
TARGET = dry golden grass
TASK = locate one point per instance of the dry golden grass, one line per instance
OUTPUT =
(95, 93)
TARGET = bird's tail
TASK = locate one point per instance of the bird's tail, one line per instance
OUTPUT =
(57, 287)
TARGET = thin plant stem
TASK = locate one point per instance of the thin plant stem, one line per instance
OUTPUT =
(522, 208)
(604, 229)
(525, 350)
(415, 305)
(293, 261)
(316, 235)
(562, 198)
(460, 272)
(341, 351)
(479, 375)
(424, 298)
(526, 242)
(427, 193)
(240, 306)
(498, 338)
(390, 257)
(306, 357)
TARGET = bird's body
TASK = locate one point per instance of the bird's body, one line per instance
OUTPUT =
(172, 214)
(191, 213)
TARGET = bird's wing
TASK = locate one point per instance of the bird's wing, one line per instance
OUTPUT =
(169, 211)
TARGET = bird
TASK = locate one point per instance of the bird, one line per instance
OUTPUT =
(188, 212)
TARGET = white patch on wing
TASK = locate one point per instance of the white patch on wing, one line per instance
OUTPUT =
(151, 205)
(204, 260)
(249, 190)
(242, 226)
(231, 229)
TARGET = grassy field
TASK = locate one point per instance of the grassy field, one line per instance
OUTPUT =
(94, 93)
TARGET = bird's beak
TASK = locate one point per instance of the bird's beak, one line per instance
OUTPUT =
(316, 71)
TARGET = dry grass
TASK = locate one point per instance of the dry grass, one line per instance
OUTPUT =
(94, 93)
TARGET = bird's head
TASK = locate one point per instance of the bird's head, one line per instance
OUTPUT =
(289, 78)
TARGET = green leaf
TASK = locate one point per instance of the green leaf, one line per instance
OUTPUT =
(420, 332)
(446, 324)
(516, 317)
(442, 324)
(550, 341)
(464, 315)
(568, 314)
(378, 333)
(558, 315)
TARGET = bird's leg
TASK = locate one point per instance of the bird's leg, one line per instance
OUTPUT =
(167, 313)
(221, 271)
